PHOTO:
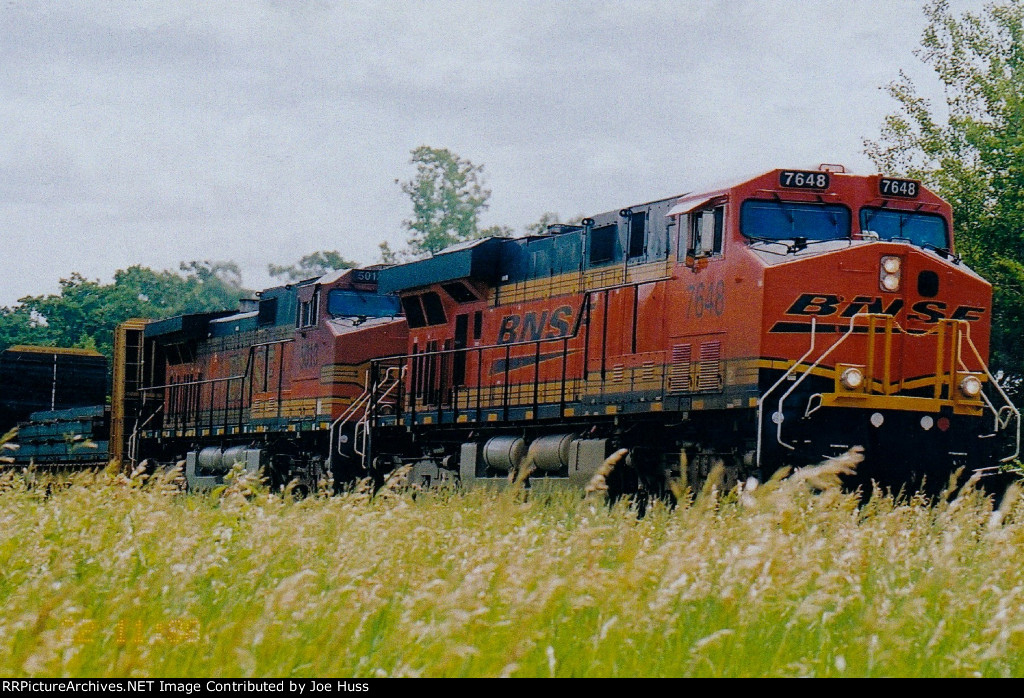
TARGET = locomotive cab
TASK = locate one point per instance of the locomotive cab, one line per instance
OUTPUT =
(889, 326)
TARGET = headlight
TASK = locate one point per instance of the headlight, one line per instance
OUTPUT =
(852, 378)
(970, 386)
(889, 274)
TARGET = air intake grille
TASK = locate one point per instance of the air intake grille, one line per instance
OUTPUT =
(679, 373)
(710, 366)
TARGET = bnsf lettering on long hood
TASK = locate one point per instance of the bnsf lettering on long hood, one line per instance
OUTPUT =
(535, 325)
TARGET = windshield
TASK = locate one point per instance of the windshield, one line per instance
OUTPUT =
(786, 220)
(361, 304)
(919, 228)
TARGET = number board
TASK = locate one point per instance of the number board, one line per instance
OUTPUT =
(904, 188)
(796, 179)
(365, 276)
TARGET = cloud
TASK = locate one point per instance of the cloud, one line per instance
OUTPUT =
(155, 132)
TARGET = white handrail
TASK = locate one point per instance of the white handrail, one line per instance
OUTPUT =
(133, 439)
(359, 404)
(1000, 422)
(344, 415)
(366, 415)
(760, 400)
(798, 381)
(1009, 403)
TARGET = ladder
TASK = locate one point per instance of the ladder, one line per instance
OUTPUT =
(359, 412)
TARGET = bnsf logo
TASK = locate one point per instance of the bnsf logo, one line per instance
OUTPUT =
(530, 327)
(825, 305)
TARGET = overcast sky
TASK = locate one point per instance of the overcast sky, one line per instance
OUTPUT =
(156, 132)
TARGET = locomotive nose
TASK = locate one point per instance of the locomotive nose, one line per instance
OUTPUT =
(935, 289)
(912, 328)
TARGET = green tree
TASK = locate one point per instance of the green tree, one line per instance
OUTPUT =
(85, 312)
(388, 255)
(972, 151)
(312, 265)
(17, 326)
(448, 196)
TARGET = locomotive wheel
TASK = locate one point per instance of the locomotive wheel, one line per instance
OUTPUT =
(307, 475)
(706, 462)
(317, 474)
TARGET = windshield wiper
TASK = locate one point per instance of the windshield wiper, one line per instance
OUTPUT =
(785, 211)
(797, 244)
(872, 212)
(941, 251)
(771, 241)
(904, 220)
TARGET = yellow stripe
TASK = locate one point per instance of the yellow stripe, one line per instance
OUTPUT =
(575, 282)
(344, 373)
(34, 349)
(304, 407)
(827, 372)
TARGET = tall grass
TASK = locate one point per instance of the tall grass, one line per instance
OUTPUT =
(108, 575)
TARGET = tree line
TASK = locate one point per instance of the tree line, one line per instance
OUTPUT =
(970, 150)
(84, 312)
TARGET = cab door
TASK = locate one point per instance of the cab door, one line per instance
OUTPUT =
(696, 330)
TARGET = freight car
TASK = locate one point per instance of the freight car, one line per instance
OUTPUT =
(58, 398)
(776, 320)
(77, 437)
(34, 378)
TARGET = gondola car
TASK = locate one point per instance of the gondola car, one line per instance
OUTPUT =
(38, 378)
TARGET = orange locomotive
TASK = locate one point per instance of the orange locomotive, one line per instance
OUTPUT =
(270, 386)
(774, 321)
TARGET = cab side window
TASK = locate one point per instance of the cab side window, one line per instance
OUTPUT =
(308, 311)
(706, 231)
